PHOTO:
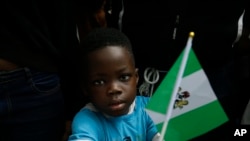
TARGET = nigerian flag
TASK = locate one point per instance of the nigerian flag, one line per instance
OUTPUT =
(184, 105)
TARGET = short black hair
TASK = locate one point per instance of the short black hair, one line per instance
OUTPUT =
(99, 38)
(102, 37)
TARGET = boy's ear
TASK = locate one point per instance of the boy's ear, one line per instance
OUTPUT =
(137, 75)
(84, 91)
(85, 94)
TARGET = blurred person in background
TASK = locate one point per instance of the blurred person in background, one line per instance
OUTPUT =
(37, 49)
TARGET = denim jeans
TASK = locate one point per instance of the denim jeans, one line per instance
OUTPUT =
(31, 106)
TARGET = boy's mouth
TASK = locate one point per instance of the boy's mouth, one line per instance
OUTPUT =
(116, 105)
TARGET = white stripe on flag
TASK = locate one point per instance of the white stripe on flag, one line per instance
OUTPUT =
(200, 91)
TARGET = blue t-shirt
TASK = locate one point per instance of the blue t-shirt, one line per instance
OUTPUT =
(91, 125)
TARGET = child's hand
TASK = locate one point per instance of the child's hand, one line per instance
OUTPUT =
(67, 130)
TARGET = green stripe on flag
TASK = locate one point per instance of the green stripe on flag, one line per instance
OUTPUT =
(166, 84)
(192, 65)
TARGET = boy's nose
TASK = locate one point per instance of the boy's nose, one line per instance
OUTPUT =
(114, 88)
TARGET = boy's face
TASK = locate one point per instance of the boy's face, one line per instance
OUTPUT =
(111, 80)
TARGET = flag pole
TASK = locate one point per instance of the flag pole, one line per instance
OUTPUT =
(176, 85)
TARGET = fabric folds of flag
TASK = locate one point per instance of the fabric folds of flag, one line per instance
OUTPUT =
(195, 109)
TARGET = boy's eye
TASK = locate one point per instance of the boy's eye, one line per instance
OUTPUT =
(125, 77)
(98, 82)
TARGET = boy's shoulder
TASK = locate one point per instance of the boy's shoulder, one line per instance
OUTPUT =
(88, 109)
(88, 113)
(87, 118)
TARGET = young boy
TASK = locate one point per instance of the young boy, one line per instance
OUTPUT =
(115, 112)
